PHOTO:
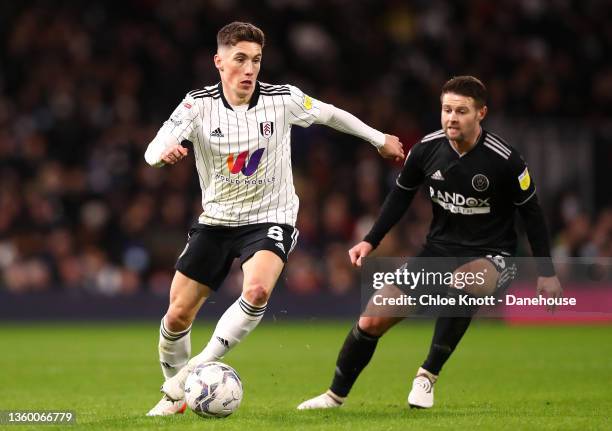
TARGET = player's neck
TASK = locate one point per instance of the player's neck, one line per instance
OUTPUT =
(236, 99)
(467, 144)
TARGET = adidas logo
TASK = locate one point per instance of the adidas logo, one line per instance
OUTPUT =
(223, 341)
(437, 176)
(280, 245)
(217, 133)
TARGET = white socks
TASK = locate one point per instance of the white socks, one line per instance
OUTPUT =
(174, 349)
(235, 324)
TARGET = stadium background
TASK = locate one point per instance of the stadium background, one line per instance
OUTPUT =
(89, 232)
(85, 86)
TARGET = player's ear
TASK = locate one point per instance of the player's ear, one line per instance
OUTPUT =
(218, 62)
(482, 112)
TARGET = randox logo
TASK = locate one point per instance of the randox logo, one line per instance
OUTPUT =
(241, 164)
(456, 203)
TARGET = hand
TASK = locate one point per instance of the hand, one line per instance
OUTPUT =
(174, 153)
(393, 149)
(360, 251)
(551, 287)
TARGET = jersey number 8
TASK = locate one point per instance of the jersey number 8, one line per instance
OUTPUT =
(276, 233)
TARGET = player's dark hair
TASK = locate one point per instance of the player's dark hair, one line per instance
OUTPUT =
(467, 86)
(237, 31)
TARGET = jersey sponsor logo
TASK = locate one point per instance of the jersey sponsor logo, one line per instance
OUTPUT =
(246, 181)
(480, 182)
(307, 102)
(456, 203)
(524, 180)
(217, 133)
(437, 176)
(241, 164)
(266, 128)
(187, 105)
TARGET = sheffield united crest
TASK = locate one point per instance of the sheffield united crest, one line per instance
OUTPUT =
(266, 128)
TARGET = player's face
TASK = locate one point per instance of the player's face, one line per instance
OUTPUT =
(239, 67)
(460, 117)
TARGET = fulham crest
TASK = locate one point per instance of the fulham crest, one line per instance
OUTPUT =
(266, 128)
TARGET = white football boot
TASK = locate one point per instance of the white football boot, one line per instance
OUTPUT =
(167, 407)
(174, 387)
(327, 400)
(422, 394)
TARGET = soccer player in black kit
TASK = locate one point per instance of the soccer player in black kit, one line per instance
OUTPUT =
(476, 183)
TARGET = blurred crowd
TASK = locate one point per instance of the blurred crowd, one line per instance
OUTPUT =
(84, 86)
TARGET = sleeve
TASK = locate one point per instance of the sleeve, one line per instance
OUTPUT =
(346, 122)
(522, 187)
(179, 127)
(395, 205)
(412, 175)
(524, 197)
(302, 110)
(399, 199)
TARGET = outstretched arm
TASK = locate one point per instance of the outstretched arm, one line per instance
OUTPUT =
(164, 149)
(388, 146)
(395, 205)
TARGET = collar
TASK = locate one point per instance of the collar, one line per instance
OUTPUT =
(479, 139)
(252, 102)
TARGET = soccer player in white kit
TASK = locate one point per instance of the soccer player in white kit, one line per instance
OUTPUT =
(241, 135)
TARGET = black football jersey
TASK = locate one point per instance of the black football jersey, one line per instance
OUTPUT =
(474, 196)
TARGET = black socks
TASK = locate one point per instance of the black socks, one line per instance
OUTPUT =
(355, 354)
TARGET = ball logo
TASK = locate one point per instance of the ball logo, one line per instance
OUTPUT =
(241, 164)
(480, 182)
(266, 128)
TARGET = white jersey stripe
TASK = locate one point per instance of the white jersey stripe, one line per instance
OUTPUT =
(432, 137)
(502, 147)
(437, 132)
(486, 144)
(498, 146)
(498, 140)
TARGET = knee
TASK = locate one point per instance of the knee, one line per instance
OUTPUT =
(374, 326)
(256, 294)
(177, 318)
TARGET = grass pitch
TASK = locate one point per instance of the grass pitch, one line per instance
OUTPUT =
(501, 377)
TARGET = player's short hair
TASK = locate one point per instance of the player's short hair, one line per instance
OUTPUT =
(236, 31)
(468, 86)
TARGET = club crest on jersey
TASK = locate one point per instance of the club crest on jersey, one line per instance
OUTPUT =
(266, 128)
(480, 182)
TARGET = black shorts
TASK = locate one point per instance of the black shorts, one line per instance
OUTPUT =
(210, 250)
(449, 259)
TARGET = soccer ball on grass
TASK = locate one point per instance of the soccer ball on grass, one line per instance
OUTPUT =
(213, 389)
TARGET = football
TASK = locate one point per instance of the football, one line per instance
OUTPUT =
(213, 389)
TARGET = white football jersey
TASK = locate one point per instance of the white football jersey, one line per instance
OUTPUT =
(243, 154)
